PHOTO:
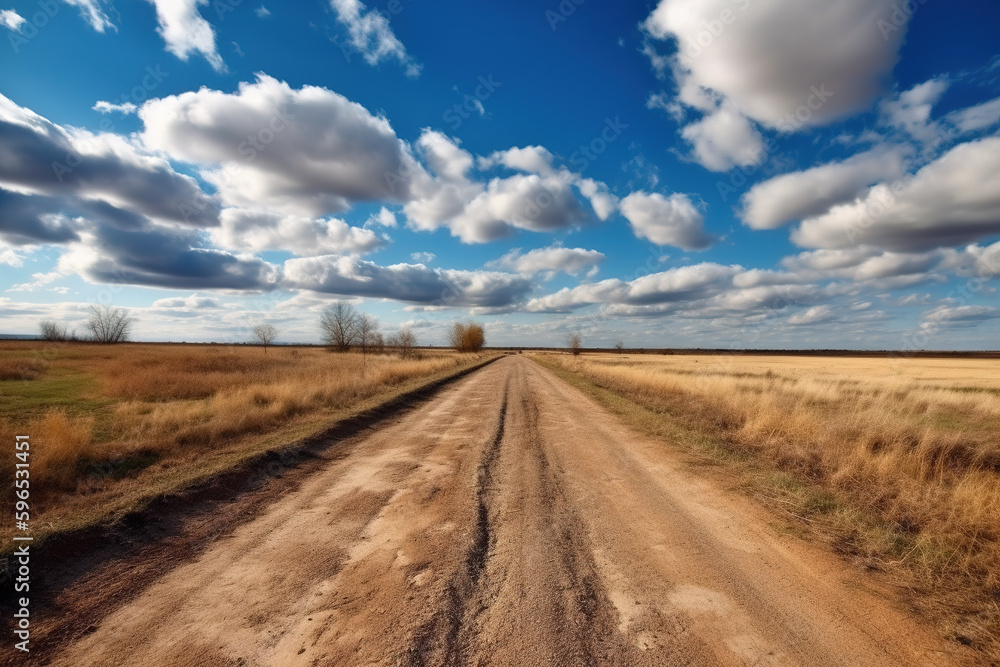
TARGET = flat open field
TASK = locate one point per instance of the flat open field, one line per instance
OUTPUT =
(113, 426)
(509, 519)
(634, 511)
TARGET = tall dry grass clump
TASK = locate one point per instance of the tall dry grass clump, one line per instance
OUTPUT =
(59, 443)
(901, 459)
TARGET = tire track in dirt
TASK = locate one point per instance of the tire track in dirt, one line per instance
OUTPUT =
(437, 640)
(531, 594)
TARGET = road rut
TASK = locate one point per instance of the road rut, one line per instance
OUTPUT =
(509, 520)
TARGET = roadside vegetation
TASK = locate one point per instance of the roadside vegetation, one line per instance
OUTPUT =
(575, 341)
(895, 462)
(110, 423)
(468, 337)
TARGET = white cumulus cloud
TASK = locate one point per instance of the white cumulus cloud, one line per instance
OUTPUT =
(976, 118)
(413, 283)
(371, 34)
(93, 13)
(801, 194)
(951, 201)
(724, 139)
(11, 20)
(259, 231)
(911, 110)
(103, 106)
(185, 31)
(551, 260)
(307, 152)
(767, 57)
(478, 212)
(672, 220)
(785, 64)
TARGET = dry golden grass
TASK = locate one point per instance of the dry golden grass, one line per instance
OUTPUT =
(60, 443)
(897, 460)
(103, 417)
(203, 398)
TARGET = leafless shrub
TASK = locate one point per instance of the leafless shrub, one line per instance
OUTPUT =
(108, 324)
(54, 331)
(404, 342)
(575, 343)
(368, 333)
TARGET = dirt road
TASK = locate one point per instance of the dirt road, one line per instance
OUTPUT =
(507, 521)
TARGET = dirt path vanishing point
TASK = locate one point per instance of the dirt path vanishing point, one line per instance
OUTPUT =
(509, 520)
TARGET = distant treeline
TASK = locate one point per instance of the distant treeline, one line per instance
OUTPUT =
(919, 354)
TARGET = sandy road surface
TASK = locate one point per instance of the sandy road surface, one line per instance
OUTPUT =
(507, 521)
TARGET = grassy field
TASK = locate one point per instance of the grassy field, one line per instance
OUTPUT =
(112, 426)
(895, 461)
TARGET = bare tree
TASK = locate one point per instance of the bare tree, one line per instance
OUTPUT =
(619, 346)
(404, 342)
(52, 330)
(468, 337)
(575, 343)
(341, 325)
(367, 332)
(265, 334)
(108, 324)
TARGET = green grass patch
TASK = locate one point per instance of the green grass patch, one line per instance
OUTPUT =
(73, 391)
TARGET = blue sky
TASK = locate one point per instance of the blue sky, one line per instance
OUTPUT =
(689, 173)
